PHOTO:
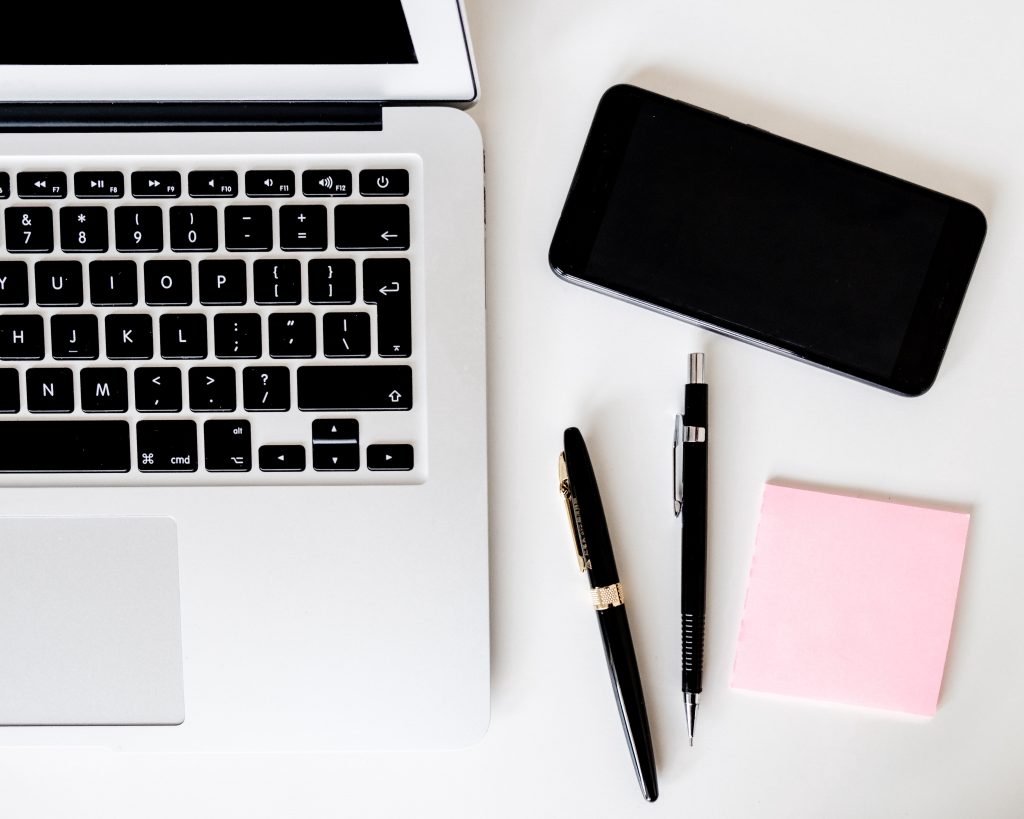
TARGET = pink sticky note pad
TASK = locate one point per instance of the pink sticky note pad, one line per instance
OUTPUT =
(850, 600)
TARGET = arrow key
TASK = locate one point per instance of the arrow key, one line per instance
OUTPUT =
(389, 457)
(335, 445)
(287, 458)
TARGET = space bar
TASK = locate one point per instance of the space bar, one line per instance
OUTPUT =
(64, 446)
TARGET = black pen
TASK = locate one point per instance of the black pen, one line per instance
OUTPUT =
(578, 486)
(690, 471)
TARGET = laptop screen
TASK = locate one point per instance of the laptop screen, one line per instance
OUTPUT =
(370, 32)
(388, 51)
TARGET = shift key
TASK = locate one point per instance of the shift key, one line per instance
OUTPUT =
(345, 388)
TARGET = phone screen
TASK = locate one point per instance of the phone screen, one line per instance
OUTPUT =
(765, 238)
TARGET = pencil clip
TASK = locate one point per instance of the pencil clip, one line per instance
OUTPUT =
(572, 511)
(677, 466)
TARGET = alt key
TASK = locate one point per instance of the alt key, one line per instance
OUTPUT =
(286, 458)
(389, 457)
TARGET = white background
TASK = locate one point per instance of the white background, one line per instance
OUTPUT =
(924, 89)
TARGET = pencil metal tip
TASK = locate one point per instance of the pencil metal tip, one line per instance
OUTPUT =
(691, 713)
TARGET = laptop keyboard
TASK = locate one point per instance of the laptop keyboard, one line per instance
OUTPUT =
(238, 321)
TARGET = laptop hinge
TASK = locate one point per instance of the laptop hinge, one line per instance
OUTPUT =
(190, 116)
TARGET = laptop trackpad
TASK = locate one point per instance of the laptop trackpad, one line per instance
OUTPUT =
(90, 622)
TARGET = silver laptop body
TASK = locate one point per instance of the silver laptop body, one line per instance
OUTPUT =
(283, 545)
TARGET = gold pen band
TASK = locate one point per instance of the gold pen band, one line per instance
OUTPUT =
(605, 597)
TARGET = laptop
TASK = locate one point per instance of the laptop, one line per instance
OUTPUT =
(243, 489)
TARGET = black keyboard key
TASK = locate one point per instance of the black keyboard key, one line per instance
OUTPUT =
(266, 389)
(384, 182)
(211, 389)
(227, 446)
(371, 227)
(59, 284)
(292, 335)
(183, 335)
(347, 388)
(237, 335)
(248, 227)
(158, 389)
(277, 281)
(104, 389)
(156, 184)
(389, 457)
(168, 282)
(222, 282)
(13, 284)
(10, 391)
(50, 389)
(99, 184)
(269, 183)
(139, 230)
(45, 185)
(290, 458)
(5, 185)
(167, 446)
(194, 229)
(332, 281)
(212, 184)
(129, 336)
(74, 337)
(326, 183)
(113, 283)
(84, 230)
(335, 445)
(21, 338)
(28, 230)
(386, 284)
(65, 446)
(303, 227)
(346, 335)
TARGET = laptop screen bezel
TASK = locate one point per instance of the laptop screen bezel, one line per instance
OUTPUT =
(443, 73)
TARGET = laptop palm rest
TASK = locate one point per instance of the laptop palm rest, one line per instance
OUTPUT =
(90, 622)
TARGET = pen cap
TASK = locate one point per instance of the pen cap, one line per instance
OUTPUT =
(593, 530)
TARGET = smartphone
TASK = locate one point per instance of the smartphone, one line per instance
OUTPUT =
(763, 239)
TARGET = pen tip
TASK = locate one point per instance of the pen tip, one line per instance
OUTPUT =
(691, 742)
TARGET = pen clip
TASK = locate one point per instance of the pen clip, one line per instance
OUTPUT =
(572, 510)
(677, 466)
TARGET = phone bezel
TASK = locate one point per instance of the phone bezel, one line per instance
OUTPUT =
(931, 321)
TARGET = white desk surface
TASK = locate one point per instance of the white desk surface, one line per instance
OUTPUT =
(926, 89)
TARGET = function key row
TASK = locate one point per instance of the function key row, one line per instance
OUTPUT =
(205, 184)
(222, 282)
(196, 228)
(172, 446)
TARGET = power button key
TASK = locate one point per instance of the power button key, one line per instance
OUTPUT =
(384, 182)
